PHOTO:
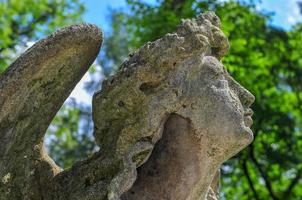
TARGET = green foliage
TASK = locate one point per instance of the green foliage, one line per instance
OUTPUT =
(116, 45)
(26, 20)
(265, 60)
(69, 136)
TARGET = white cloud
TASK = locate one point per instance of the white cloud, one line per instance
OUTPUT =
(293, 13)
(291, 20)
(286, 13)
(30, 44)
(79, 93)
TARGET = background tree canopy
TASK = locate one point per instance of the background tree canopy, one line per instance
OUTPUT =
(27, 20)
(263, 58)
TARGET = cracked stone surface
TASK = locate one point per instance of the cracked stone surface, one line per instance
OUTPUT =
(164, 123)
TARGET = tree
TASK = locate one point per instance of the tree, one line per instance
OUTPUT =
(26, 21)
(265, 60)
(116, 47)
(69, 137)
(300, 5)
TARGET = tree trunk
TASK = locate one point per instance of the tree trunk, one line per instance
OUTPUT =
(165, 122)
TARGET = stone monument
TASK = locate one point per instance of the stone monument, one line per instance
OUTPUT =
(164, 123)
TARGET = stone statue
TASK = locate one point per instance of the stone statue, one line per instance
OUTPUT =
(164, 123)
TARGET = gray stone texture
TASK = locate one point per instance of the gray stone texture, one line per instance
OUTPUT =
(164, 123)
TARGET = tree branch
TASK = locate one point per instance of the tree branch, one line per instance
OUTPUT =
(292, 184)
(18, 31)
(245, 170)
(262, 173)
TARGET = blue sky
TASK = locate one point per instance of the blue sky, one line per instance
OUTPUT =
(286, 12)
(98, 11)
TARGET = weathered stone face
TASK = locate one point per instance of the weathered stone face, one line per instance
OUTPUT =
(218, 108)
(179, 74)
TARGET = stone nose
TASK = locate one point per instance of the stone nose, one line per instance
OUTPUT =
(246, 98)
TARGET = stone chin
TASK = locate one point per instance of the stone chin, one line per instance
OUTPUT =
(244, 137)
(248, 135)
